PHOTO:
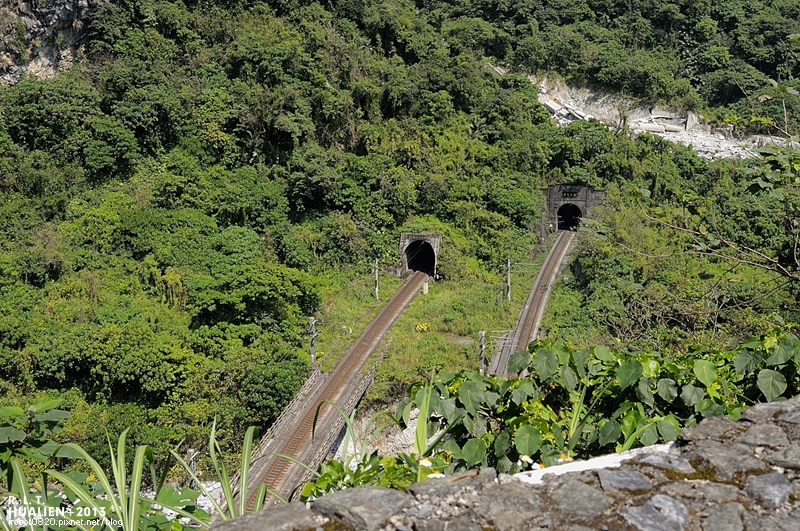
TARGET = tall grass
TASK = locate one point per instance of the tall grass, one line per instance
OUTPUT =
(124, 505)
(232, 505)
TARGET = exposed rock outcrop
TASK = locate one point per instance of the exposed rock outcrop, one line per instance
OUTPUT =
(41, 37)
(719, 475)
(568, 104)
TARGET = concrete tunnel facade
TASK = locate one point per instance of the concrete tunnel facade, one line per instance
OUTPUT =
(568, 203)
(419, 252)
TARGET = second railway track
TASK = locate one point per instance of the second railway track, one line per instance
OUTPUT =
(531, 315)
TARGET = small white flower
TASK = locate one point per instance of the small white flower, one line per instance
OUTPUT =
(524, 461)
(425, 462)
(435, 475)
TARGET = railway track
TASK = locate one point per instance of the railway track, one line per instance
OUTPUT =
(294, 437)
(531, 315)
(282, 475)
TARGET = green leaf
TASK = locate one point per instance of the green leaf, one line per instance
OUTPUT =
(651, 368)
(691, 395)
(476, 426)
(8, 434)
(709, 408)
(705, 371)
(525, 390)
(519, 361)
(490, 398)
(610, 432)
(527, 440)
(667, 389)
(502, 443)
(427, 400)
(252, 434)
(48, 448)
(69, 452)
(563, 353)
(545, 363)
(449, 410)
(503, 385)
(668, 431)
(629, 422)
(580, 359)
(752, 343)
(473, 452)
(629, 372)
(404, 412)
(11, 411)
(182, 498)
(558, 436)
(45, 404)
(649, 435)
(644, 392)
(452, 446)
(568, 377)
(446, 377)
(603, 353)
(771, 383)
(505, 466)
(746, 361)
(782, 354)
(53, 415)
(518, 396)
(471, 396)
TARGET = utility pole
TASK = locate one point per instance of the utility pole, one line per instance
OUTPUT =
(482, 357)
(312, 330)
(508, 280)
(543, 233)
(377, 297)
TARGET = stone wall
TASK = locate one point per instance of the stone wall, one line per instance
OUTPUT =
(41, 37)
(721, 475)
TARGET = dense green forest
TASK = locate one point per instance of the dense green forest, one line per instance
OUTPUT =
(176, 206)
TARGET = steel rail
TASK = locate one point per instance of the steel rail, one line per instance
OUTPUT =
(533, 311)
(297, 442)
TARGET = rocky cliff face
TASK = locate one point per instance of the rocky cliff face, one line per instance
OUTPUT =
(41, 37)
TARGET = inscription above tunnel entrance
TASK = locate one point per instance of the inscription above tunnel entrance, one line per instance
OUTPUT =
(419, 252)
(568, 203)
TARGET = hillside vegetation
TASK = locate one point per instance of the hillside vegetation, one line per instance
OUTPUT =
(176, 206)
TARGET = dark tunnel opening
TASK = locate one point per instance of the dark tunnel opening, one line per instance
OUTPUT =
(421, 257)
(569, 217)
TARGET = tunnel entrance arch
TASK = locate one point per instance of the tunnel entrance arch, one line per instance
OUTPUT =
(567, 203)
(421, 257)
(419, 252)
(569, 217)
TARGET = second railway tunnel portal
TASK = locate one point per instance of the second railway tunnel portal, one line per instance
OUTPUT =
(419, 252)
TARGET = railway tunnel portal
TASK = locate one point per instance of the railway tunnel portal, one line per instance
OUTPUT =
(419, 252)
(568, 203)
